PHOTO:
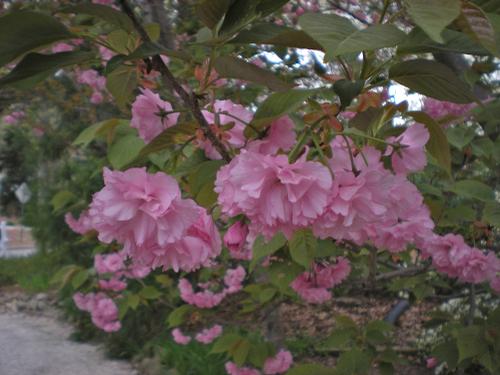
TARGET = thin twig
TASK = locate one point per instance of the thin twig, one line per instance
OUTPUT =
(190, 100)
(403, 272)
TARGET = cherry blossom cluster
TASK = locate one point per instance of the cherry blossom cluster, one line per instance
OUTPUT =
(102, 309)
(13, 117)
(438, 109)
(147, 215)
(312, 286)
(205, 336)
(279, 364)
(206, 298)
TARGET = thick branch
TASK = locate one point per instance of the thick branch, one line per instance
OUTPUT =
(190, 100)
(402, 272)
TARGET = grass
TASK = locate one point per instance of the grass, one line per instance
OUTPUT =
(31, 273)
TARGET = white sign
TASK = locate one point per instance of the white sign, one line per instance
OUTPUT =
(23, 193)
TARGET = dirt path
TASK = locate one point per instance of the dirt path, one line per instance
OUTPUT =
(39, 345)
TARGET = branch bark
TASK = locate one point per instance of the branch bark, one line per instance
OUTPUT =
(189, 99)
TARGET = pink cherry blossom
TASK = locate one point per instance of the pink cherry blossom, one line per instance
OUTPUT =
(201, 242)
(208, 335)
(411, 156)
(205, 299)
(280, 136)
(180, 338)
(274, 194)
(278, 364)
(62, 47)
(438, 109)
(233, 369)
(233, 279)
(431, 362)
(13, 118)
(80, 226)
(235, 237)
(109, 263)
(114, 284)
(150, 115)
(103, 310)
(236, 114)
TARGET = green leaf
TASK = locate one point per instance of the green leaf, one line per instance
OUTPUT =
(35, 67)
(460, 136)
(239, 351)
(150, 292)
(270, 33)
(201, 182)
(178, 315)
(432, 79)
(491, 213)
(353, 362)
(329, 30)
(106, 13)
(225, 342)
(100, 129)
(262, 248)
(211, 12)
(124, 151)
(311, 369)
(348, 90)
(303, 246)
(438, 145)
(239, 14)
(61, 199)
(433, 16)
(339, 339)
(133, 301)
(79, 279)
(370, 39)
(447, 352)
(473, 22)
(277, 105)
(454, 41)
(231, 67)
(266, 7)
(121, 83)
(473, 189)
(282, 274)
(470, 342)
(23, 31)
(172, 136)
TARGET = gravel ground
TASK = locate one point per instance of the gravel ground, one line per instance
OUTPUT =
(39, 345)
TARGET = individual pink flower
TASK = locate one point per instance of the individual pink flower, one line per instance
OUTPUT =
(180, 338)
(62, 47)
(235, 237)
(280, 136)
(201, 242)
(150, 115)
(438, 109)
(305, 287)
(103, 310)
(80, 226)
(278, 364)
(114, 284)
(208, 335)
(109, 263)
(332, 275)
(106, 53)
(431, 362)
(274, 194)
(411, 156)
(225, 112)
(14, 117)
(136, 208)
(96, 97)
(233, 279)
(233, 369)
(205, 299)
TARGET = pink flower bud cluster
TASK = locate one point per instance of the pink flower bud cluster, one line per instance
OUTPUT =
(279, 364)
(235, 240)
(147, 215)
(205, 336)
(13, 118)
(313, 286)
(95, 81)
(206, 299)
(102, 309)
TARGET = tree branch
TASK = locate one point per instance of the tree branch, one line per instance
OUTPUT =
(189, 99)
(402, 272)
